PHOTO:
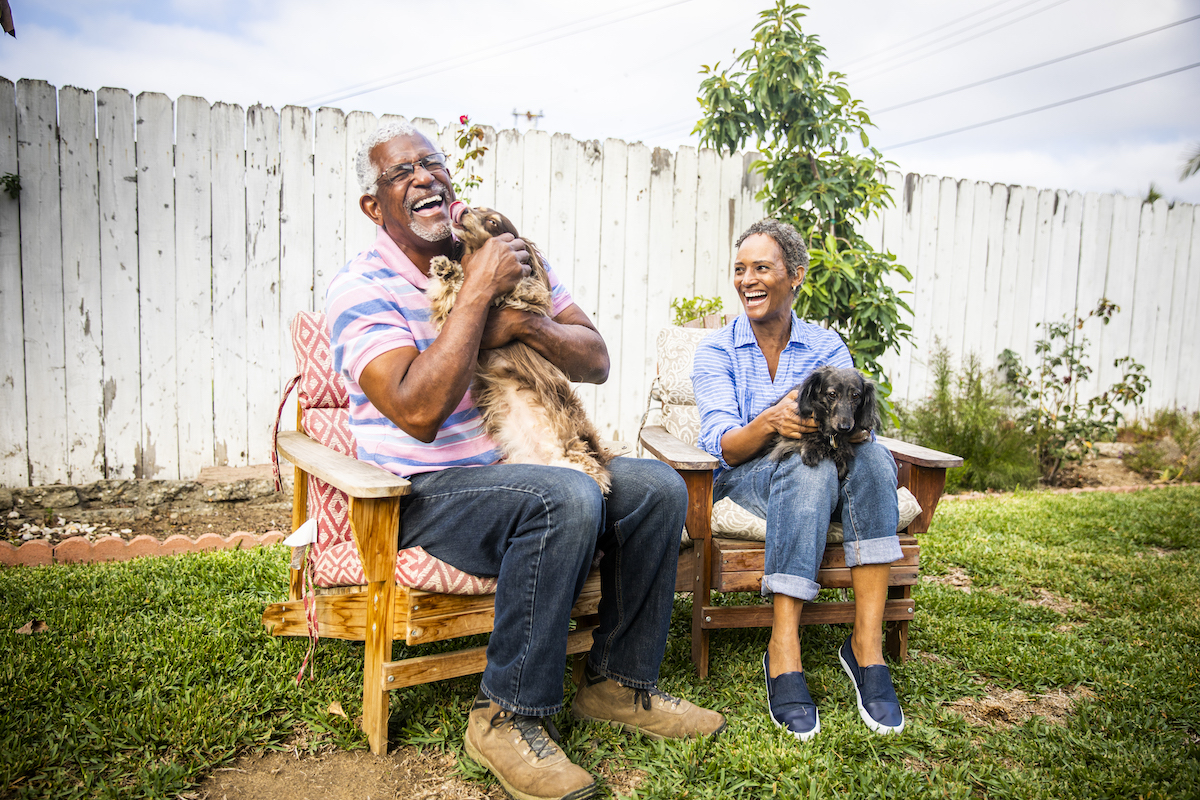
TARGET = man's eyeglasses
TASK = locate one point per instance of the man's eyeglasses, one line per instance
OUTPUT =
(405, 170)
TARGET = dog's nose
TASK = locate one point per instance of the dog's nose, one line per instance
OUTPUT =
(845, 427)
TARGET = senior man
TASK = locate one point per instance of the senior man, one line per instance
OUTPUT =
(535, 528)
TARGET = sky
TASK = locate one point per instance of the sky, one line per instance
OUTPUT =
(630, 70)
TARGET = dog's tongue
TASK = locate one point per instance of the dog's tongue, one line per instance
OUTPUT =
(457, 209)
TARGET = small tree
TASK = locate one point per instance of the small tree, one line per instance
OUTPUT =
(807, 128)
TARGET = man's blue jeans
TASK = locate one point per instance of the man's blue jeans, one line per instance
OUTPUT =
(537, 528)
(799, 502)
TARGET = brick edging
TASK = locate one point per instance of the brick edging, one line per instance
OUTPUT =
(78, 550)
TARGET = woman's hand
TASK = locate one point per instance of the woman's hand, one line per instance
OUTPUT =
(784, 418)
(742, 444)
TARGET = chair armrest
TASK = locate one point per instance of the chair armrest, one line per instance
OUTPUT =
(356, 478)
(678, 454)
(919, 456)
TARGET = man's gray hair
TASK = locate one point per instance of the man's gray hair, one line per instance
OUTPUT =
(791, 244)
(368, 172)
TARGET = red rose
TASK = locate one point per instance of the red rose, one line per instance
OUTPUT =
(463, 119)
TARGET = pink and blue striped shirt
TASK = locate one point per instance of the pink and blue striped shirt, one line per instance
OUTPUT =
(377, 303)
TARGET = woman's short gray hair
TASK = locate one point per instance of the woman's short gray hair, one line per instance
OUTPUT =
(368, 172)
(791, 244)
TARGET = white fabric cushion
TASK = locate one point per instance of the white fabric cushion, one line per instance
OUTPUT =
(676, 346)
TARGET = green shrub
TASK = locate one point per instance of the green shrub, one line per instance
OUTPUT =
(1168, 446)
(1062, 424)
(690, 308)
(968, 415)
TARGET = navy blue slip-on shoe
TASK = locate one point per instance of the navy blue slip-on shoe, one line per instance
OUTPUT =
(877, 703)
(789, 703)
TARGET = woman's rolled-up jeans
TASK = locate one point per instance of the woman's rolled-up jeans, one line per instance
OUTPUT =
(798, 503)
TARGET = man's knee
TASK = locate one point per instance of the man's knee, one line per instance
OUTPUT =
(651, 478)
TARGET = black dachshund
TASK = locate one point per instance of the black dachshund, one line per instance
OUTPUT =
(842, 402)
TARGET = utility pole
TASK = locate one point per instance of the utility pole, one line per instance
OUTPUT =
(530, 118)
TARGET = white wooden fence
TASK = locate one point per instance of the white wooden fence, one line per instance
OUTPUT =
(156, 251)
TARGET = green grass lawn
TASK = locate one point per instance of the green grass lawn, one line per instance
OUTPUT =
(154, 671)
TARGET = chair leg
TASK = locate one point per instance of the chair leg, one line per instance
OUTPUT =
(376, 524)
(699, 525)
(700, 598)
(378, 649)
(896, 641)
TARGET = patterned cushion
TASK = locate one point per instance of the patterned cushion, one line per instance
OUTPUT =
(326, 418)
(339, 565)
(327, 505)
(676, 346)
(320, 386)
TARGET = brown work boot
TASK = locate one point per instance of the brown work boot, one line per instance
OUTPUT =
(648, 711)
(520, 753)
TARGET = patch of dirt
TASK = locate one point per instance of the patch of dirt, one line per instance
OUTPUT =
(1100, 470)
(957, 577)
(1003, 709)
(406, 772)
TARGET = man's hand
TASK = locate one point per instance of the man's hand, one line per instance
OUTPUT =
(860, 436)
(504, 325)
(495, 268)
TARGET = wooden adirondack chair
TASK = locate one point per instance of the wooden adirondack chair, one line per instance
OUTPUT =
(365, 589)
(730, 559)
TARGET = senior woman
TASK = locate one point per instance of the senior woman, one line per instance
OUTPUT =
(743, 375)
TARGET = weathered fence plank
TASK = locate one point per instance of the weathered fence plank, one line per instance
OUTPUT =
(329, 204)
(265, 321)
(585, 283)
(194, 331)
(683, 225)
(1188, 394)
(636, 361)
(84, 378)
(159, 456)
(613, 203)
(360, 231)
(1169, 369)
(1113, 339)
(535, 178)
(42, 280)
(560, 239)
(121, 321)
(14, 437)
(230, 386)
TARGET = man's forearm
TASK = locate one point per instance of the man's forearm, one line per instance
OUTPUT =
(578, 350)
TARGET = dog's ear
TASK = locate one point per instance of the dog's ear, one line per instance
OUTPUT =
(808, 392)
(867, 417)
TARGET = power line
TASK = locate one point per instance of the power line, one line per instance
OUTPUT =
(877, 54)
(923, 34)
(1043, 108)
(1035, 66)
(540, 37)
(956, 44)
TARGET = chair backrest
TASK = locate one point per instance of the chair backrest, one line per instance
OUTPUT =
(324, 416)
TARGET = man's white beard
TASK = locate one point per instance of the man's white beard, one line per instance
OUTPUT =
(434, 234)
